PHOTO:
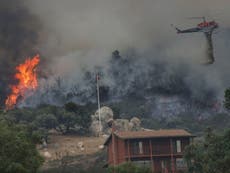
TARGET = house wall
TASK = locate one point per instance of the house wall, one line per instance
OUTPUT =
(161, 146)
(120, 151)
(185, 142)
(130, 148)
(161, 156)
(116, 153)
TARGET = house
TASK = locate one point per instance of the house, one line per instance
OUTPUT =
(160, 150)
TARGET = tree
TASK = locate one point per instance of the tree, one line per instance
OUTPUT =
(210, 156)
(71, 107)
(227, 98)
(69, 120)
(47, 121)
(18, 153)
(82, 117)
(23, 115)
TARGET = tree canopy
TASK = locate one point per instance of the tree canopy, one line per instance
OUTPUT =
(69, 118)
(210, 156)
(18, 153)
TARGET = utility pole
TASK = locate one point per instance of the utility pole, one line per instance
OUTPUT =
(113, 145)
(98, 103)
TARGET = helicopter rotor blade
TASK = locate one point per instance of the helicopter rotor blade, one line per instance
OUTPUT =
(197, 18)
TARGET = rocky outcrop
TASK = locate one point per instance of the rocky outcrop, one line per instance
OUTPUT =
(106, 122)
(125, 125)
(135, 124)
(106, 116)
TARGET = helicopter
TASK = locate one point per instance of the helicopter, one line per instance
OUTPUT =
(206, 27)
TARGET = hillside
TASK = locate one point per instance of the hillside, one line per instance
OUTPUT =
(60, 146)
(66, 155)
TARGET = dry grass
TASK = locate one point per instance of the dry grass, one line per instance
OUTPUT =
(60, 146)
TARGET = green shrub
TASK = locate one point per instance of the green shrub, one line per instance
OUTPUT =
(128, 167)
(18, 153)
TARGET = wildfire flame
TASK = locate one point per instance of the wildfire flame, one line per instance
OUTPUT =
(27, 81)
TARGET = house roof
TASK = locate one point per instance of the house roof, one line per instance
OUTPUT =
(151, 134)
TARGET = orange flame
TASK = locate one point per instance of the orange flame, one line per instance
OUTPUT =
(27, 80)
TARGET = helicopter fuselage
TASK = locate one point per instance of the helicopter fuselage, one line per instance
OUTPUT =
(204, 27)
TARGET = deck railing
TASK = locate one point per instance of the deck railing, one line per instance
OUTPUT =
(156, 151)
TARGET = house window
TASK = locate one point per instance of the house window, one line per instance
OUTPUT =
(178, 146)
(140, 147)
(180, 163)
(137, 147)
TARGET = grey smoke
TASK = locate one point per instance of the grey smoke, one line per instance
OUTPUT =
(80, 35)
(169, 88)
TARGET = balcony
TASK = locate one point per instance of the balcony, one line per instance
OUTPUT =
(145, 152)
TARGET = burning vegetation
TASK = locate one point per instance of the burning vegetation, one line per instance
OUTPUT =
(27, 81)
(20, 36)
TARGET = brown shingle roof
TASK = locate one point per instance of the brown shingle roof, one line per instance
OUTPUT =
(151, 134)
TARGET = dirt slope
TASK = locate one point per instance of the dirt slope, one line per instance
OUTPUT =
(60, 146)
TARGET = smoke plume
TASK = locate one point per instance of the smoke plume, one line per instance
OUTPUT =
(152, 63)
